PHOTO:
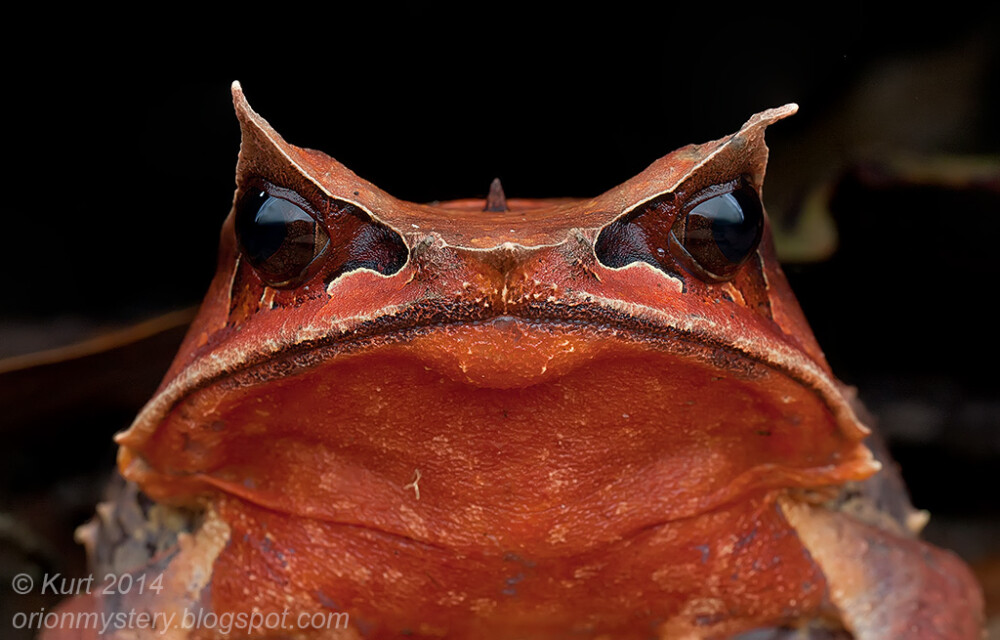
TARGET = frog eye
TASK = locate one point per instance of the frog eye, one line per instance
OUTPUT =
(717, 234)
(277, 237)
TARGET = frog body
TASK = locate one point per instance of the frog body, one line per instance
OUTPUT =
(516, 418)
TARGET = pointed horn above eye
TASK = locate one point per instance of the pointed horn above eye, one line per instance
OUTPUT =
(770, 116)
(743, 153)
(239, 100)
(265, 154)
(251, 124)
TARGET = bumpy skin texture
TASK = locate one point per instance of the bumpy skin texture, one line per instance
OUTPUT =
(498, 435)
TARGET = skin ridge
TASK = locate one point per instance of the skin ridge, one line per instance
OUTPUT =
(228, 489)
(422, 319)
(234, 491)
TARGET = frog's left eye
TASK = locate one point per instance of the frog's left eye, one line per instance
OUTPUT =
(277, 237)
(717, 234)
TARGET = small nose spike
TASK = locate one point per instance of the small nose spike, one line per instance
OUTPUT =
(495, 199)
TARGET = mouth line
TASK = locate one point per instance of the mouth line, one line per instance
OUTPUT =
(593, 319)
(302, 355)
(313, 345)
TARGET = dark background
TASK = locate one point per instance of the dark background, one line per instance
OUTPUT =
(120, 148)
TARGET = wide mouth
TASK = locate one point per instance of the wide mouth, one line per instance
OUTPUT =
(309, 346)
(600, 419)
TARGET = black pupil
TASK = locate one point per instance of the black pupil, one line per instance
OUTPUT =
(734, 233)
(277, 236)
(263, 234)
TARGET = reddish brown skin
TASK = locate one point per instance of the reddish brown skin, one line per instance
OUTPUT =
(507, 438)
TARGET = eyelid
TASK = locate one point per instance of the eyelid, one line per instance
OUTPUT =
(712, 191)
(284, 193)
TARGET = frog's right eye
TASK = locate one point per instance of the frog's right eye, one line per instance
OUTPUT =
(718, 231)
(277, 237)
